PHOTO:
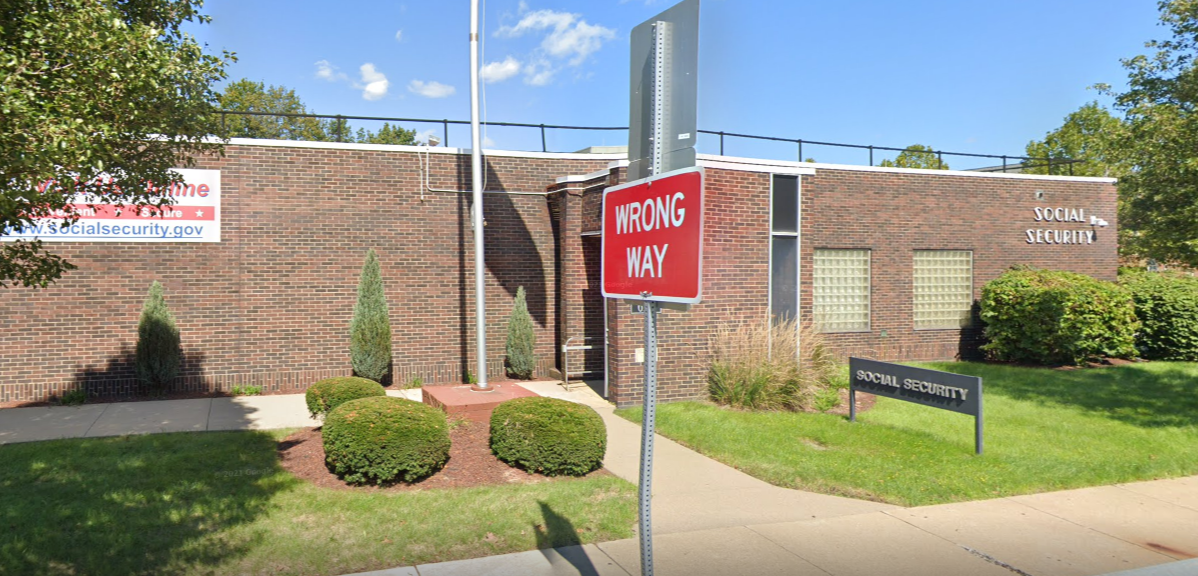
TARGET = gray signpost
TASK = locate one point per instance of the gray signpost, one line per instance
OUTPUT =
(661, 138)
(944, 390)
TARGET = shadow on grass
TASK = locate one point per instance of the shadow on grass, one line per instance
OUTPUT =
(558, 532)
(133, 505)
(1149, 395)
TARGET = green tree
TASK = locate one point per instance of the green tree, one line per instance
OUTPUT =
(521, 339)
(388, 134)
(1159, 194)
(917, 156)
(370, 329)
(98, 98)
(1091, 134)
(159, 352)
(245, 95)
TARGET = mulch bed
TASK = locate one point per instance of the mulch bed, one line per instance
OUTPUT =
(471, 462)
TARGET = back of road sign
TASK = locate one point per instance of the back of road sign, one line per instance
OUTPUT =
(678, 95)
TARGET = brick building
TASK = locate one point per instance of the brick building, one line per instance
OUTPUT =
(886, 261)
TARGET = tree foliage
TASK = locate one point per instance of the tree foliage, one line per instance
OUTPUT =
(98, 99)
(370, 329)
(1159, 195)
(159, 352)
(245, 95)
(917, 156)
(521, 339)
(1091, 134)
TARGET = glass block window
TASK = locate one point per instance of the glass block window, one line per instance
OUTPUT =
(841, 290)
(943, 288)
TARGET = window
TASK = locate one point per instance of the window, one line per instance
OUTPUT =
(784, 248)
(943, 288)
(841, 290)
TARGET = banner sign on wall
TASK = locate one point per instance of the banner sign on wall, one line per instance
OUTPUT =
(194, 217)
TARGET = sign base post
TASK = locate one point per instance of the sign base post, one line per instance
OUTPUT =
(648, 425)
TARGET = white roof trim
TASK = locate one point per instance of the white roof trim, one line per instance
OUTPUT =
(759, 165)
(584, 177)
(426, 149)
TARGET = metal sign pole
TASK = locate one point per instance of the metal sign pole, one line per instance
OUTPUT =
(648, 425)
(649, 414)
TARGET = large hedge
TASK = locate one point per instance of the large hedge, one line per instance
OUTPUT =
(326, 395)
(1167, 306)
(385, 439)
(370, 329)
(1052, 317)
(159, 351)
(548, 435)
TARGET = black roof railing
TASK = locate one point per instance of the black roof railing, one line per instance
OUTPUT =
(1020, 162)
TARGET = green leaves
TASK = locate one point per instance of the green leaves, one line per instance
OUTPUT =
(1052, 317)
(370, 329)
(80, 90)
(917, 156)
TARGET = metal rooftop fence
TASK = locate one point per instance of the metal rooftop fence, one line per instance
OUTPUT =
(1009, 162)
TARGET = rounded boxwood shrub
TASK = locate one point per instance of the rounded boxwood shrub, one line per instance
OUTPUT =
(330, 393)
(384, 439)
(1167, 306)
(1053, 317)
(548, 436)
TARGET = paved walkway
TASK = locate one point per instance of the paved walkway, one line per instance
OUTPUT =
(711, 519)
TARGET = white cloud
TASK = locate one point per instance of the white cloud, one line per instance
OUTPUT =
(500, 71)
(568, 38)
(430, 89)
(375, 83)
(399, 35)
(539, 73)
(326, 71)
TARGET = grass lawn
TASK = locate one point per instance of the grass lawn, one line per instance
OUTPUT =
(1044, 430)
(219, 503)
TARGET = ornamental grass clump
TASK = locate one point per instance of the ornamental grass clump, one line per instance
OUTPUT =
(370, 329)
(1053, 318)
(385, 439)
(326, 395)
(1167, 307)
(521, 340)
(159, 351)
(548, 436)
(779, 366)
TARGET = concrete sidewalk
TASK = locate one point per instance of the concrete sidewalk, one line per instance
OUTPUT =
(709, 518)
(155, 416)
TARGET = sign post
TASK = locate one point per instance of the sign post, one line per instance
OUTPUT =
(653, 227)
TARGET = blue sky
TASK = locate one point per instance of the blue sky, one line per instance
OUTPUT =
(981, 77)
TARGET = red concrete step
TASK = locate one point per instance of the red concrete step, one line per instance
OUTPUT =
(461, 401)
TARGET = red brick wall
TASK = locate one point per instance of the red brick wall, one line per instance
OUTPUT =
(271, 303)
(911, 212)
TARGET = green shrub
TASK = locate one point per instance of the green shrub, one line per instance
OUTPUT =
(1167, 307)
(521, 340)
(246, 390)
(159, 351)
(548, 435)
(755, 366)
(326, 395)
(370, 329)
(73, 397)
(1052, 317)
(384, 439)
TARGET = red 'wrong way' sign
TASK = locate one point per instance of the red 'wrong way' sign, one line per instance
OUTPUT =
(653, 238)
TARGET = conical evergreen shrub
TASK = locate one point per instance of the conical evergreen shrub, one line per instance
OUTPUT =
(370, 330)
(159, 352)
(521, 340)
